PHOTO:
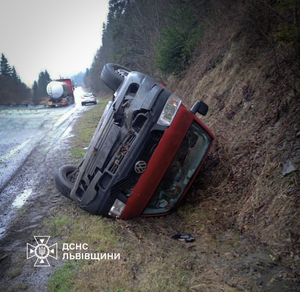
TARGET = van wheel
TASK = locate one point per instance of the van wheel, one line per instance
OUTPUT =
(113, 75)
(65, 179)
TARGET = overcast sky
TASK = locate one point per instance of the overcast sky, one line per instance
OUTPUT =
(60, 36)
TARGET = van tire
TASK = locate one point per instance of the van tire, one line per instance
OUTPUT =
(63, 182)
(113, 75)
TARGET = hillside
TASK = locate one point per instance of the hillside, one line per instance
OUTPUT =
(243, 60)
(251, 179)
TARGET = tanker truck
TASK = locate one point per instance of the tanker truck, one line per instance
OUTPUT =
(60, 92)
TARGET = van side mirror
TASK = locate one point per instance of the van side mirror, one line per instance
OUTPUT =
(200, 107)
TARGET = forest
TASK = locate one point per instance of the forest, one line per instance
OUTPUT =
(14, 92)
(11, 86)
(163, 37)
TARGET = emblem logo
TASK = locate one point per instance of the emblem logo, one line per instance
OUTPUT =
(41, 251)
(140, 167)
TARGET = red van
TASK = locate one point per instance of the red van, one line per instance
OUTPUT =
(145, 153)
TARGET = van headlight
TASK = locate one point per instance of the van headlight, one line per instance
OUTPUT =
(117, 209)
(169, 111)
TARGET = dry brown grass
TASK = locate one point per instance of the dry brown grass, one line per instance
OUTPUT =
(252, 114)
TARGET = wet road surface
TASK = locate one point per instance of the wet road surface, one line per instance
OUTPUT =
(26, 134)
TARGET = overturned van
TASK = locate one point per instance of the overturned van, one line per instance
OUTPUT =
(145, 153)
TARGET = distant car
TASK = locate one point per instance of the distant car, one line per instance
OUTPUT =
(88, 98)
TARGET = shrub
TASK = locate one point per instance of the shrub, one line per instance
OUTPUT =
(178, 41)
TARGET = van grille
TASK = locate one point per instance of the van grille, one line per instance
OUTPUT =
(122, 151)
(127, 184)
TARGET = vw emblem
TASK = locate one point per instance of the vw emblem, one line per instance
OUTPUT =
(140, 167)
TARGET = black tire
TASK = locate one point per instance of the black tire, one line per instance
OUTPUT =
(65, 179)
(113, 75)
(82, 103)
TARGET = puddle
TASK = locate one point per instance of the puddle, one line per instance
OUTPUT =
(21, 199)
(67, 133)
(11, 208)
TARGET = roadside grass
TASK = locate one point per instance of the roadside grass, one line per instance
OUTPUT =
(86, 128)
(19, 287)
(75, 225)
(15, 272)
(149, 258)
(61, 279)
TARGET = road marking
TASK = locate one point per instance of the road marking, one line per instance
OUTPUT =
(14, 151)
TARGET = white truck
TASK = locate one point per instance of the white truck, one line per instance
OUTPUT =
(60, 92)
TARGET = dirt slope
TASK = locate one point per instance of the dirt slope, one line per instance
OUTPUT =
(252, 175)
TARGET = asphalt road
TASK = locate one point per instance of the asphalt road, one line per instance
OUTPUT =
(24, 134)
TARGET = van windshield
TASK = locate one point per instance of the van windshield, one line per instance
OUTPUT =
(180, 172)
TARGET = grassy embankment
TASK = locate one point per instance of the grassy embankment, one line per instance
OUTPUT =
(84, 130)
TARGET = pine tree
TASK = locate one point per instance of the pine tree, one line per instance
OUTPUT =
(47, 77)
(42, 83)
(15, 76)
(35, 94)
(86, 78)
(4, 66)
